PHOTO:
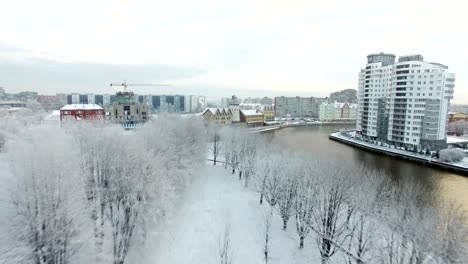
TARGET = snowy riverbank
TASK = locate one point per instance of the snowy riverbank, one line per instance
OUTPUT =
(460, 167)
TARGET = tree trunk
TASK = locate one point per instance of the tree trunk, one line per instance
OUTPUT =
(324, 260)
(233, 170)
(240, 175)
(301, 242)
(261, 198)
(285, 224)
(214, 161)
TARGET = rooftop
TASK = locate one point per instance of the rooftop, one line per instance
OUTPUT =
(250, 112)
(81, 107)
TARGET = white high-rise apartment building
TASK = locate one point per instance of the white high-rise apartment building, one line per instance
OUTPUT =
(404, 102)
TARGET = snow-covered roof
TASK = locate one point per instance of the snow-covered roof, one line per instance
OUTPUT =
(212, 110)
(81, 107)
(250, 112)
(265, 107)
(455, 140)
(215, 110)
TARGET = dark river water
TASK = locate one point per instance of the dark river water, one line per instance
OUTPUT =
(444, 186)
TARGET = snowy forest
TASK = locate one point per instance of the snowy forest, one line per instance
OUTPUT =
(93, 193)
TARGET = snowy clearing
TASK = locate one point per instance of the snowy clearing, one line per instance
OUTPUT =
(215, 199)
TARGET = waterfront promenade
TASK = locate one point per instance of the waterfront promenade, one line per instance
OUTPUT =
(401, 154)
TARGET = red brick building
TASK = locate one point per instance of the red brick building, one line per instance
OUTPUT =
(74, 112)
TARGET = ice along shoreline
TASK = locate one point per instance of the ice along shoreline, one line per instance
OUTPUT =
(428, 161)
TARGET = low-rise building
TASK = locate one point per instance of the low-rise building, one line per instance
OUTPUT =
(220, 116)
(268, 112)
(76, 112)
(253, 118)
(337, 111)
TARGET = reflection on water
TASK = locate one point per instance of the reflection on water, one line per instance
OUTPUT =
(444, 186)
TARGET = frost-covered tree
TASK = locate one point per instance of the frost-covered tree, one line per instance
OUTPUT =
(287, 190)
(267, 238)
(368, 187)
(264, 169)
(451, 155)
(409, 224)
(304, 201)
(214, 139)
(46, 195)
(248, 154)
(273, 182)
(99, 152)
(452, 235)
(232, 147)
(331, 213)
(126, 198)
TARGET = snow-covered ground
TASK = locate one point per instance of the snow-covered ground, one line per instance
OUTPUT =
(392, 150)
(217, 199)
(463, 163)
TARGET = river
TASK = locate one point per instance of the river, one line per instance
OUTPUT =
(444, 186)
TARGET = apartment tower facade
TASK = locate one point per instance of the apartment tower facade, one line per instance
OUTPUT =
(404, 102)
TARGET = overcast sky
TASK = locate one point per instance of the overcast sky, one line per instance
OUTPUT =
(218, 48)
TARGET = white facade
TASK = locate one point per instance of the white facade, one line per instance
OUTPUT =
(404, 102)
(235, 109)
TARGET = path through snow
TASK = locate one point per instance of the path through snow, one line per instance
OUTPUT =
(217, 198)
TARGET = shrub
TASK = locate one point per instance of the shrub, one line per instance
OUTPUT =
(451, 155)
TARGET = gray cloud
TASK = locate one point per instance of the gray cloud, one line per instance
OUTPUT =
(49, 76)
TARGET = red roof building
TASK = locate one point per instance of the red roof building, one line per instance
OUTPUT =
(73, 112)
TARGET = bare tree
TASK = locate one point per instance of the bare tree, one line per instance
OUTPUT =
(458, 127)
(303, 205)
(232, 148)
(409, 224)
(273, 184)
(263, 171)
(330, 215)
(452, 235)
(214, 135)
(369, 191)
(249, 156)
(267, 238)
(287, 192)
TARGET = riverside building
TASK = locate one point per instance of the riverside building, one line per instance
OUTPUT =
(404, 102)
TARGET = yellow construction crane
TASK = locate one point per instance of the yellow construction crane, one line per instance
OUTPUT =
(125, 84)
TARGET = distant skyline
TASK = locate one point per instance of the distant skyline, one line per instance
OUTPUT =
(219, 48)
